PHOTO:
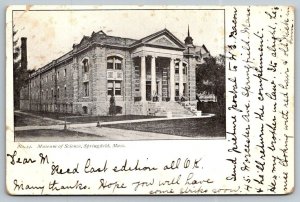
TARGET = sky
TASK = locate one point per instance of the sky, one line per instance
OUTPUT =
(50, 34)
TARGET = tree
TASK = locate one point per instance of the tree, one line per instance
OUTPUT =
(16, 69)
(210, 78)
(20, 72)
(112, 105)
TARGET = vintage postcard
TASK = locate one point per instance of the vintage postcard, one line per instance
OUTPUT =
(149, 100)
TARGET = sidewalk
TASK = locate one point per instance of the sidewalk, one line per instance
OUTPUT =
(122, 134)
(107, 133)
(81, 125)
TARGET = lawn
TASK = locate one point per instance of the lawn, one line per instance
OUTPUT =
(193, 127)
(91, 119)
(27, 120)
(53, 136)
(39, 118)
(212, 127)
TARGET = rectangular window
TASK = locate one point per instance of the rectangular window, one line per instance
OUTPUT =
(65, 72)
(65, 91)
(117, 87)
(113, 88)
(57, 74)
(86, 89)
(118, 64)
(46, 78)
(52, 93)
(110, 64)
(58, 92)
(110, 88)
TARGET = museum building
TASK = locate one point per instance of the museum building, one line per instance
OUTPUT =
(143, 75)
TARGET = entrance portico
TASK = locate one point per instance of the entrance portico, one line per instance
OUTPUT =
(159, 78)
(155, 72)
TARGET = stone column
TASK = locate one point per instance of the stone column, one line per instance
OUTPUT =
(172, 80)
(180, 79)
(143, 78)
(153, 77)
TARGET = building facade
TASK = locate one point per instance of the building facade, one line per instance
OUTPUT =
(157, 68)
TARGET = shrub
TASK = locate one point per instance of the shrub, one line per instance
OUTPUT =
(137, 99)
(112, 106)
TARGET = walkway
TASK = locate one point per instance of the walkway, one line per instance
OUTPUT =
(106, 133)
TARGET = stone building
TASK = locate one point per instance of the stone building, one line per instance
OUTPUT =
(142, 75)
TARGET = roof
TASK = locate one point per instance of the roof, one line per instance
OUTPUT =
(102, 38)
(202, 51)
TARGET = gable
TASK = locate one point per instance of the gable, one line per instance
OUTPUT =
(84, 40)
(163, 41)
(163, 38)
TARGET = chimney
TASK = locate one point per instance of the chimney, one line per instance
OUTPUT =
(24, 53)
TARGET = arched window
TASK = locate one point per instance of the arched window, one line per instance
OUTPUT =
(85, 65)
(114, 62)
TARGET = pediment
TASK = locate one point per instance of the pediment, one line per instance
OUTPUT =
(163, 41)
(163, 38)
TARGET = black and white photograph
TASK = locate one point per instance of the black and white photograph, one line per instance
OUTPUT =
(118, 74)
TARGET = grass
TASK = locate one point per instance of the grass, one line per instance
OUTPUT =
(27, 120)
(90, 119)
(38, 118)
(45, 135)
(198, 127)
(213, 127)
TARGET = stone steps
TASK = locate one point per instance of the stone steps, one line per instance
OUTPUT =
(176, 109)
